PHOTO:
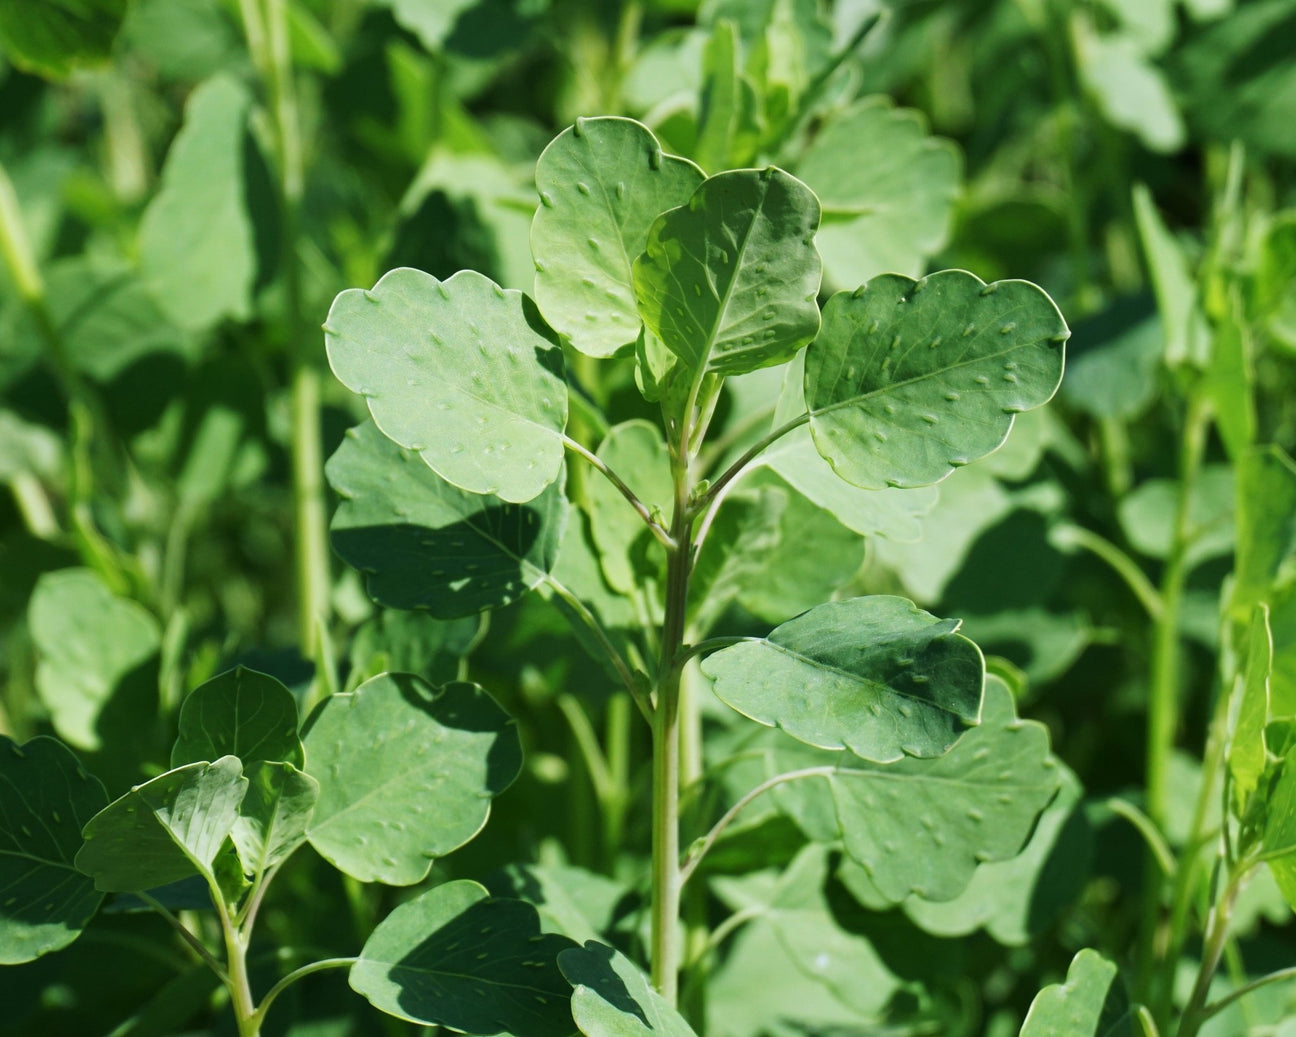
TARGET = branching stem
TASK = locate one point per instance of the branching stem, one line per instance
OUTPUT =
(641, 509)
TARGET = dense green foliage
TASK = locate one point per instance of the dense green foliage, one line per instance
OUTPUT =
(697, 601)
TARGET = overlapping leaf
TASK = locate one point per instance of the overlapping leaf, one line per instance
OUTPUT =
(876, 675)
(47, 797)
(425, 544)
(729, 280)
(238, 713)
(635, 450)
(457, 957)
(164, 830)
(462, 372)
(406, 773)
(602, 183)
(612, 998)
(911, 379)
(274, 814)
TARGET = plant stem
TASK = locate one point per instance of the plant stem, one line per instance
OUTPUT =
(640, 508)
(1067, 535)
(236, 960)
(736, 469)
(1216, 935)
(293, 977)
(195, 944)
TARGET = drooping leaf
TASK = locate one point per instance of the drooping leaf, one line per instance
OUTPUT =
(911, 379)
(274, 814)
(48, 797)
(406, 774)
(52, 37)
(636, 452)
(164, 830)
(1091, 1003)
(463, 372)
(197, 247)
(728, 281)
(612, 998)
(425, 544)
(876, 675)
(1266, 525)
(923, 826)
(1246, 752)
(457, 957)
(238, 713)
(1187, 337)
(887, 190)
(602, 183)
(95, 649)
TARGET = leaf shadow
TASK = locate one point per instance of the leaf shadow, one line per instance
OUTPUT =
(466, 707)
(593, 966)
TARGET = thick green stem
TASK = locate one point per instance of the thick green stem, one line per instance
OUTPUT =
(245, 1014)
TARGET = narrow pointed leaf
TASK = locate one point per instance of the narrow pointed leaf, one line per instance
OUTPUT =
(875, 675)
(406, 774)
(612, 998)
(463, 372)
(238, 713)
(729, 281)
(1246, 753)
(457, 957)
(274, 814)
(45, 901)
(911, 379)
(425, 544)
(602, 183)
(1091, 1003)
(887, 190)
(164, 830)
(922, 826)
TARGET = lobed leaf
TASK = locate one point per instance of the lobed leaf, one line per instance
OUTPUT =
(612, 998)
(875, 675)
(425, 544)
(1091, 1003)
(729, 281)
(164, 830)
(47, 798)
(239, 713)
(911, 379)
(462, 372)
(457, 957)
(406, 774)
(602, 183)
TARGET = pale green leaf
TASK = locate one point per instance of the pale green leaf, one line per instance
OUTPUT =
(462, 372)
(274, 814)
(1149, 513)
(425, 544)
(94, 648)
(602, 183)
(197, 247)
(406, 774)
(635, 451)
(1187, 337)
(47, 798)
(1091, 1003)
(1266, 526)
(164, 830)
(1130, 91)
(923, 826)
(729, 280)
(1278, 839)
(612, 998)
(887, 189)
(456, 957)
(911, 379)
(53, 37)
(876, 675)
(1246, 752)
(238, 713)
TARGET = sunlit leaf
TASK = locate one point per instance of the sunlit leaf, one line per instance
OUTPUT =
(1091, 1003)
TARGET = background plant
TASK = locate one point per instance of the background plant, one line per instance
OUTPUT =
(416, 143)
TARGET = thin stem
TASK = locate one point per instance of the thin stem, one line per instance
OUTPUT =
(293, 977)
(703, 845)
(711, 644)
(1161, 851)
(1215, 1007)
(194, 943)
(1123, 565)
(582, 612)
(640, 508)
(587, 742)
(735, 469)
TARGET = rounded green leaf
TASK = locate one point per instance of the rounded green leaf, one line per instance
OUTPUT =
(875, 675)
(457, 957)
(729, 281)
(164, 830)
(602, 183)
(887, 189)
(406, 774)
(425, 544)
(463, 372)
(911, 379)
(612, 998)
(1091, 1003)
(94, 648)
(238, 713)
(44, 901)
